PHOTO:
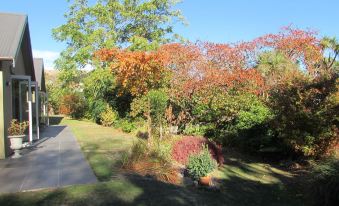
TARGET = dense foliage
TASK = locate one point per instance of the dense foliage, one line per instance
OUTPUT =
(272, 94)
(199, 165)
(277, 94)
(73, 104)
(108, 117)
(107, 23)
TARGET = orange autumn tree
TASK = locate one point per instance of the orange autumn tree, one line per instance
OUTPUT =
(140, 73)
(135, 71)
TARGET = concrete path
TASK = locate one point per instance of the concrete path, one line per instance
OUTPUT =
(55, 161)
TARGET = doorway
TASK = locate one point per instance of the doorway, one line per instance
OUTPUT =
(25, 104)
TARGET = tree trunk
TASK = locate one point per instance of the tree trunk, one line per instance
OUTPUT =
(160, 131)
(149, 123)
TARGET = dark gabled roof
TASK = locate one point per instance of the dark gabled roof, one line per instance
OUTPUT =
(14, 36)
(12, 27)
(39, 70)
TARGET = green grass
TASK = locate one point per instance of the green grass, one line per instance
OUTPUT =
(242, 180)
(102, 146)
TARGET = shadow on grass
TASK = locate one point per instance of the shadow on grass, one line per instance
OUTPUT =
(137, 190)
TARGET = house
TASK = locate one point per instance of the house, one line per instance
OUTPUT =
(39, 71)
(22, 85)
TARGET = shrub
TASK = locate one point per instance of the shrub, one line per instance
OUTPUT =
(96, 108)
(185, 147)
(325, 183)
(196, 130)
(199, 165)
(54, 96)
(227, 114)
(125, 125)
(256, 114)
(190, 145)
(98, 87)
(108, 117)
(306, 120)
(73, 104)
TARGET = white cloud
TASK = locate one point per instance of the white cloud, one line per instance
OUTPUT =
(48, 56)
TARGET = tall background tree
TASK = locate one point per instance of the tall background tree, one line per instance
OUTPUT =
(104, 24)
(140, 25)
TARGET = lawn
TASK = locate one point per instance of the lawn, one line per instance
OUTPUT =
(102, 146)
(243, 180)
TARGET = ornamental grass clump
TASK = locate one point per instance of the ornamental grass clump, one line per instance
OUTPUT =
(17, 128)
(200, 165)
(151, 160)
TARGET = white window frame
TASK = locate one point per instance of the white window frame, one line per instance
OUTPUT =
(30, 111)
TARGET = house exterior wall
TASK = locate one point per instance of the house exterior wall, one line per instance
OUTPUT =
(2, 117)
(19, 65)
(6, 99)
(5, 108)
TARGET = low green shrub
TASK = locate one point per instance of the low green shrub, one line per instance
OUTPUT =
(108, 117)
(196, 129)
(199, 165)
(325, 183)
(125, 125)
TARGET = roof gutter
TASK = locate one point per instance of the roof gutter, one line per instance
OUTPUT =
(8, 59)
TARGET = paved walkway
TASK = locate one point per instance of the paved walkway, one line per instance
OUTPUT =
(55, 162)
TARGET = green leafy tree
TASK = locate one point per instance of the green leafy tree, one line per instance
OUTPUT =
(331, 45)
(142, 25)
(98, 90)
(153, 106)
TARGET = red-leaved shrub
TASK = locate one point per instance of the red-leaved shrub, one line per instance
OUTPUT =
(189, 145)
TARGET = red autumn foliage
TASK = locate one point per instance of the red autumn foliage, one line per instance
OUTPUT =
(296, 45)
(190, 68)
(205, 66)
(189, 145)
(67, 106)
